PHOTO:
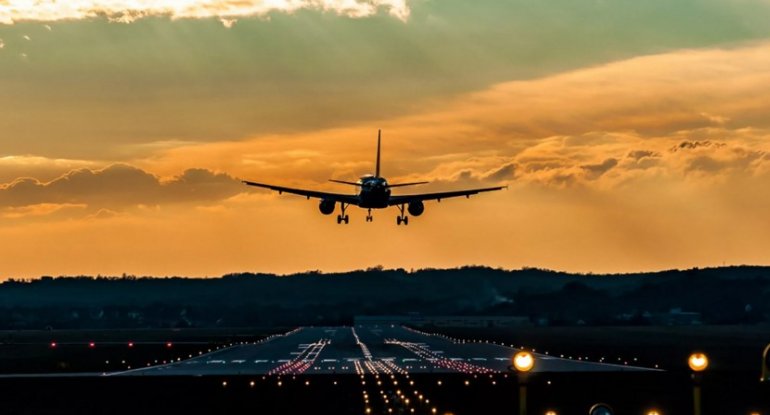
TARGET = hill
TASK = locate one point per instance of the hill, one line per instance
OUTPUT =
(727, 295)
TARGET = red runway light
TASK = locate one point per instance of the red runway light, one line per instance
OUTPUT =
(92, 345)
(168, 344)
(53, 344)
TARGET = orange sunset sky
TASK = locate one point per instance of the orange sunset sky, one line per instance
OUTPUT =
(632, 135)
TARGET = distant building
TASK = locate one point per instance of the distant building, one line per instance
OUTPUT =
(442, 321)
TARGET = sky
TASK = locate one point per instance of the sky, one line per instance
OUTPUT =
(632, 136)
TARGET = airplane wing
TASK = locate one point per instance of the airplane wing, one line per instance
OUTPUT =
(337, 197)
(398, 200)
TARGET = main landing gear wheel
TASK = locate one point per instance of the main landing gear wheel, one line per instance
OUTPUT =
(402, 218)
(343, 217)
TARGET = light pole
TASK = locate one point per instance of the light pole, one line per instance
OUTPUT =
(523, 362)
(766, 364)
(698, 362)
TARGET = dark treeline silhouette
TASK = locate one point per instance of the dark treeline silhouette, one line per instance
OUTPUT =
(727, 295)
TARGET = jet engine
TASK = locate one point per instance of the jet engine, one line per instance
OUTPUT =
(416, 208)
(326, 207)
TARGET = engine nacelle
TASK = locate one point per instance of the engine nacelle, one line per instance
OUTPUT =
(326, 207)
(416, 208)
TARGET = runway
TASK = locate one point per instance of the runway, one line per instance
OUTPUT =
(361, 350)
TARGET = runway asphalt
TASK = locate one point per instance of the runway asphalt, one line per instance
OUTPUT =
(362, 350)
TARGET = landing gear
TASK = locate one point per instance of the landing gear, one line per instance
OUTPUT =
(402, 218)
(369, 216)
(343, 217)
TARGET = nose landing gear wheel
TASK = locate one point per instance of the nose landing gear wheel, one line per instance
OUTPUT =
(369, 217)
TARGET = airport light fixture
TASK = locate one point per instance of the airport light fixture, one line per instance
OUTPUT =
(523, 361)
(766, 364)
(698, 362)
(653, 412)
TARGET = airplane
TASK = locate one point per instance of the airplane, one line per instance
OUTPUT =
(374, 193)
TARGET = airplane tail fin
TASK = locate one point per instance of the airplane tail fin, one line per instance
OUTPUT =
(377, 167)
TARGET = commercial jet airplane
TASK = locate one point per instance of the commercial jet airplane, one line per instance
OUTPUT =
(374, 193)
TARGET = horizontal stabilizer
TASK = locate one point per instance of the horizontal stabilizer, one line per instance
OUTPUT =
(406, 184)
(344, 182)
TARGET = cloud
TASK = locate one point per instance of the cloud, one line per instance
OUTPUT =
(622, 123)
(641, 154)
(228, 23)
(505, 172)
(38, 210)
(692, 145)
(13, 11)
(595, 170)
(118, 186)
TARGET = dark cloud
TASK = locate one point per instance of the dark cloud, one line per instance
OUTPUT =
(735, 159)
(640, 154)
(594, 171)
(119, 186)
(505, 172)
(692, 145)
(706, 164)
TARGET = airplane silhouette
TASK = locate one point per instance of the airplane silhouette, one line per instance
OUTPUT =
(374, 193)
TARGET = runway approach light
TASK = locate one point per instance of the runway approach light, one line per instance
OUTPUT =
(653, 412)
(600, 409)
(550, 413)
(523, 361)
(698, 362)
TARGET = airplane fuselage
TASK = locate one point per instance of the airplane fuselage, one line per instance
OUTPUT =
(374, 193)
